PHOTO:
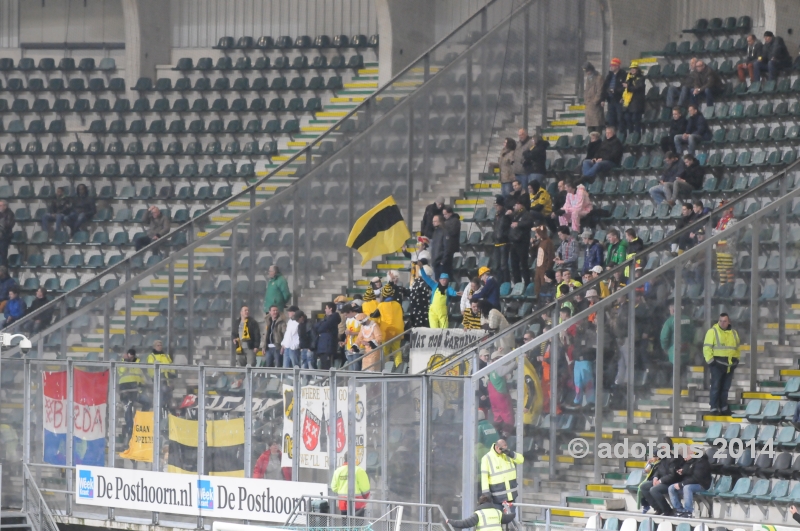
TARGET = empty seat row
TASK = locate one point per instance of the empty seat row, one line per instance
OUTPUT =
(285, 42)
(300, 62)
(92, 169)
(136, 148)
(65, 64)
(58, 84)
(240, 84)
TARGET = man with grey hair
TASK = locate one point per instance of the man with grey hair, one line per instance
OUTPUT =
(434, 209)
(156, 225)
(7, 222)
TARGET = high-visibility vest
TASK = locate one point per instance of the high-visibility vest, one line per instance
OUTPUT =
(163, 359)
(721, 343)
(489, 520)
(130, 374)
(499, 475)
(339, 486)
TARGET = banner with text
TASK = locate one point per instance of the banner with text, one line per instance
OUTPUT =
(430, 346)
(209, 496)
(315, 428)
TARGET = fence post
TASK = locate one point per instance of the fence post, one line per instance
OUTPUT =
(351, 448)
(112, 422)
(201, 428)
(677, 353)
(190, 308)
(468, 125)
(526, 50)
(234, 276)
(156, 424)
(754, 279)
(171, 344)
(70, 431)
(630, 376)
(783, 234)
(248, 420)
(296, 420)
(598, 392)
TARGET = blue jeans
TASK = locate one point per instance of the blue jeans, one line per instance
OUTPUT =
(591, 169)
(691, 143)
(614, 112)
(659, 193)
(506, 188)
(307, 360)
(771, 69)
(583, 377)
(688, 497)
(49, 218)
(289, 358)
(272, 357)
(75, 221)
(535, 177)
(357, 365)
(721, 381)
(633, 122)
(681, 94)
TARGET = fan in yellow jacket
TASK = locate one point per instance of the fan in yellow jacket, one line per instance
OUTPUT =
(389, 317)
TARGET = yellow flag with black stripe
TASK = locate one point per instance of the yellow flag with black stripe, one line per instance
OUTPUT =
(224, 448)
(380, 231)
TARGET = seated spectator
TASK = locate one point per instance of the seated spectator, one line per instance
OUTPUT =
(654, 490)
(668, 187)
(541, 203)
(774, 57)
(692, 178)
(593, 252)
(696, 131)
(679, 95)
(705, 82)
(593, 145)
(42, 320)
(608, 155)
(534, 160)
(694, 476)
(15, 307)
(677, 126)
(633, 99)
(593, 98)
(568, 282)
(156, 225)
(747, 68)
(699, 209)
(6, 283)
(596, 271)
(83, 209)
(577, 206)
(506, 164)
(58, 210)
(7, 222)
(635, 244)
(567, 253)
(471, 317)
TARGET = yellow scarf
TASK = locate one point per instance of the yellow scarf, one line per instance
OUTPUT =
(245, 335)
(627, 96)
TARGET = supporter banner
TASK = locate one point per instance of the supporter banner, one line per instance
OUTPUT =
(140, 447)
(88, 417)
(435, 344)
(316, 427)
(224, 450)
(210, 496)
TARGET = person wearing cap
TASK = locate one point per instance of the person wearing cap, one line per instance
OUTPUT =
(490, 291)
(506, 164)
(544, 253)
(278, 293)
(524, 143)
(774, 57)
(390, 318)
(370, 301)
(596, 271)
(471, 317)
(607, 156)
(592, 253)
(466, 295)
(502, 248)
(352, 326)
(593, 98)
(612, 92)
(368, 340)
(437, 312)
(434, 209)
(274, 330)
(290, 346)
(633, 99)
(567, 253)
(520, 240)
(534, 160)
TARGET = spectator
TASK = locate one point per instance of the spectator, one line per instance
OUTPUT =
(686, 219)
(677, 126)
(705, 82)
(593, 145)
(525, 143)
(595, 272)
(679, 95)
(496, 322)
(696, 131)
(502, 248)
(7, 222)
(307, 342)
(593, 98)
(693, 175)
(567, 253)
(452, 232)
(502, 417)
(568, 281)
(662, 474)
(633, 99)
(635, 244)
(721, 352)
(434, 209)
(83, 209)
(327, 331)
(472, 288)
(534, 160)
(486, 516)
(608, 155)
(290, 345)
(518, 193)
(156, 225)
(541, 204)
(438, 246)
(277, 290)
(367, 343)
(246, 338)
(274, 331)
(42, 320)
(617, 249)
(370, 303)
(6, 283)
(268, 465)
(668, 187)
(490, 291)
(694, 476)
(157, 355)
(520, 240)
(15, 308)
(506, 164)
(699, 209)
(420, 300)
(58, 210)
(774, 57)
(471, 317)
(437, 314)
(339, 485)
(390, 315)
(593, 252)
(577, 206)
(694, 270)
(747, 68)
(668, 336)
(612, 93)
(352, 327)
(545, 254)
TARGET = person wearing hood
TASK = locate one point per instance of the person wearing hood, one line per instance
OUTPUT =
(370, 301)
(534, 160)
(490, 291)
(437, 312)
(502, 247)
(506, 163)
(434, 209)
(369, 339)
(593, 252)
(612, 93)
(83, 209)
(593, 98)
(633, 99)
(541, 205)
(544, 255)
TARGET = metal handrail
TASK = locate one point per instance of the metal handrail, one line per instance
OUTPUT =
(120, 267)
(460, 356)
(44, 520)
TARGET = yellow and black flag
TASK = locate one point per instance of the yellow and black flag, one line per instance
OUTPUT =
(224, 449)
(380, 231)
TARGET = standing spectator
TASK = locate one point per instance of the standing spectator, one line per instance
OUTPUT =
(495, 322)
(157, 355)
(390, 315)
(679, 95)
(58, 210)
(352, 327)
(687, 218)
(525, 142)
(437, 313)
(268, 465)
(706, 82)
(667, 189)
(368, 340)
(7, 222)
(452, 233)
(518, 193)
(490, 291)
(534, 161)
(277, 294)
(754, 54)
(340, 485)
(420, 299)
(502, 248)
(593, 252)
(83, 209)
(577, 206)
(307, 343)
(15, 308)
(774, 57)
(471, 317)
(273, 336)
(42, 320)
(633, 99)
(438, 247)
(541, 204)
(567, 253)
(473, 287)
(668, 336)
(677, 126)
(612, 93)
(635, 244)
(247, 338)
(432, 210)
(506, 163)
(156, 225)
(545, 254)
(721, 352)
(608, 155)
(290, 345)
(6, 283)
(696, 131)
(327, 331)
(593, 98)
(520, 238)
(617, 249)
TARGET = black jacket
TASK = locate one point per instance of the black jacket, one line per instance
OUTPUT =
(636, 246)
(502, 227)
(616, 95)
(83, 204)
(60, 205)
(45, 317)
(427, 219)
(473, 520)
(452, 231)
(610, 149)
(666, 470)
(592, 147)
(673, 171)
(697, 125)
(696, 471)
(437, 247)
(754, 53)
(255, 333)
(522, 232)
(636, 85)
(327, 333)
(534, 160)
(305, 335)
(7, 222)
(515, 197)
(776, 51)
(677, 127)
(694, 175)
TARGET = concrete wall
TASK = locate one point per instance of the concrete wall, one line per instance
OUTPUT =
(406, 28)
(147, 37)
(57, 21)
(635, 26)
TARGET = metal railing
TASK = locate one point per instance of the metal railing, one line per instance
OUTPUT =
(34, 506)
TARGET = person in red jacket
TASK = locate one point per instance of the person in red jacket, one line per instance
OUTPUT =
(269, 466)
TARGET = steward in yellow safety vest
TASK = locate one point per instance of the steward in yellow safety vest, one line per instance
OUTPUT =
(721, 352)
(487, 517)
(499, 473)
(159, 356)
(130, 378)
(339, 486)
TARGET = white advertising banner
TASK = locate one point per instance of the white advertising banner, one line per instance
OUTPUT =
(430, 346)
(316, 426)
(210, 496)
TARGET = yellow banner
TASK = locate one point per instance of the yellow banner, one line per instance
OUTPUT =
(140, 447)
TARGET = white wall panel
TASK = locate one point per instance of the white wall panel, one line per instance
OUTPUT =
(9, 23)
(65, 21)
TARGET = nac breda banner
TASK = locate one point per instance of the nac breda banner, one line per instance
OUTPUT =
(212, 496)
(316, 427)
(88, 417)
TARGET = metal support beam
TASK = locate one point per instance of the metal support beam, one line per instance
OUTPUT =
(171, 342)
(190, 308)
(201, 428)
(709, 262)
(332, 412)
(519, 421)
(70, 431)
(631, 348)
(598, 391)
(468, 125)
(234, 276)
(424, 439)
(468, 474)
(580, 45)
(253, 233)
(351, 445)
(296, 425)
(541, 67)
(128, 306)
(107, 330)
(783, 232)
(410, 168)
(296, 244)
(554, 354)
(755, 245)
(350, 217)
(526, 54)
(677, 353)
(248, 420)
